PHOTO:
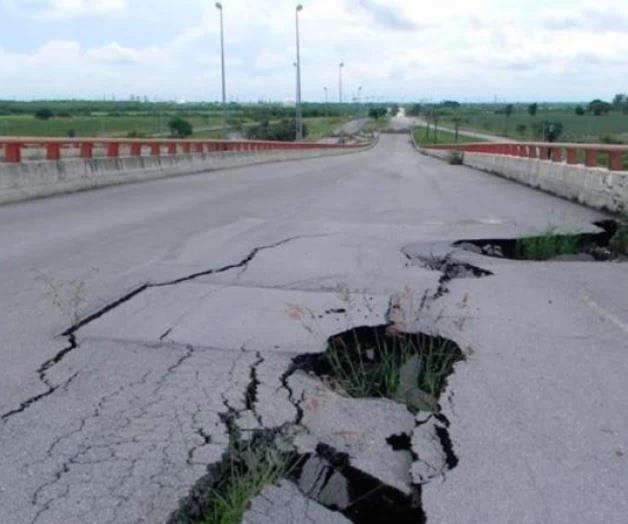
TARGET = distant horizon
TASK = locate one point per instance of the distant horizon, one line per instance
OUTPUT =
(304, 101)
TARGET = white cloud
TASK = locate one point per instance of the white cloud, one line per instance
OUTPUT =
(59, 9)
(114, 53)
(393, 48)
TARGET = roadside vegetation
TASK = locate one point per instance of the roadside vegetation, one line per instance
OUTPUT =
(152, 119)
(429, 136)
(597, 121)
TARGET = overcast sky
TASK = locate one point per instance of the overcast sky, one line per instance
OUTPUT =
(519, 50)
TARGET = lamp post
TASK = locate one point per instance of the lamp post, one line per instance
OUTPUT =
(224, 85)
(299, 113)
(326, 103)
(340, 67)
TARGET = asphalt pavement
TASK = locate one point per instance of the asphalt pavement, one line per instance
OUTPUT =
(187, 300)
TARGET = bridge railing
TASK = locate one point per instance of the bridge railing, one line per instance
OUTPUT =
(17, 149)
(613, 157)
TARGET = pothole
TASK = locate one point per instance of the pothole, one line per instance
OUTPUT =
(381, 362)
(328, 478)
(364, 362)
(609, 245)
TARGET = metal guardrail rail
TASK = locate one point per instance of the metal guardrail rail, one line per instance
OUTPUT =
(13, 148)
(572, 154)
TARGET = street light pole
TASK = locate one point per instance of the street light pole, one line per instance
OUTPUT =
(326, 103)
(299, 112)
(224, 85)
(340, 66)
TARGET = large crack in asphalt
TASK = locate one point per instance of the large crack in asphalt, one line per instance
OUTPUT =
(370, 499)
(325, 475)
(69, 334)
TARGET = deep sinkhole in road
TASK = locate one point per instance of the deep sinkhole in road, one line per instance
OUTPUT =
(364, 362)
(553, 246)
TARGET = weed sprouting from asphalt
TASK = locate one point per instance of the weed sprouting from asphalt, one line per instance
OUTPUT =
(548, 245)
(69, 297)
(247, 468)
(372, 364)
(379, 362)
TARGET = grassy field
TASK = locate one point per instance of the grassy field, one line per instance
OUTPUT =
(520, 125)
(442, 137)
(95, 125)
(144, 124)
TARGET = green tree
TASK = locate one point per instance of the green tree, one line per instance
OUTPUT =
(44, 113)
(414, 110)
(180, 128)
(508, 110)
(533, 108)
(552, 131)
(377, 112)
(579, 111)
(598, 107)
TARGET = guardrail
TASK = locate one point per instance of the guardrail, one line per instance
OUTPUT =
(13, 148)
(614, 157)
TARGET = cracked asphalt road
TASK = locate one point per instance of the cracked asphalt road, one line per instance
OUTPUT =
(226, 277)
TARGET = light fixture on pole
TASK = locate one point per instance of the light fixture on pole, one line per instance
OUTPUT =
(299, 116)
(224, 85)
(340, 67)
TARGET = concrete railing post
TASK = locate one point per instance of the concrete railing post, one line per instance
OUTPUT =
(615, 161)
(155, 149)
(136, 149)
(113, 149)
(53, 151)
(13, 152)
(590, 158)
(572, 156)
(87, 150)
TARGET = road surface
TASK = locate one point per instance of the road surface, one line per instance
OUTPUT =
(206, 287)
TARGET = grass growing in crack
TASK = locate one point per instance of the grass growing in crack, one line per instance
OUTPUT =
(69, 297)
(249, 467)
(548, 245)
(374, 362)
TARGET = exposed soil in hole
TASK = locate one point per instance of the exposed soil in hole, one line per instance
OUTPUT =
(380, 362)
(552, 246)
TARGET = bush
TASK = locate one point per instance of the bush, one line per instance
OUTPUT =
(180, 128)
(44, 114)
(533, 108)
(521, 129)
(579, 111)
(284, 131)
(71, 133)
(610, 139)
(377, 112)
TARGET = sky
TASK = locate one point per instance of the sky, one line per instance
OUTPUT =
(406, 50)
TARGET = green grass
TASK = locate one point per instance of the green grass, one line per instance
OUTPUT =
(422, 137)
(585, 128)
(321, 127)
(548, 245)
(410, 368)
(95, 125)
(251, 467)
